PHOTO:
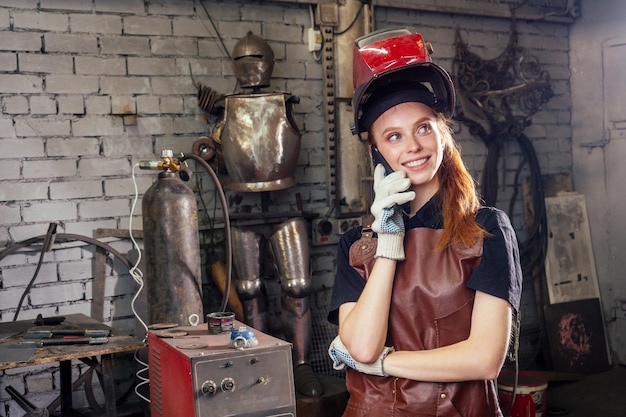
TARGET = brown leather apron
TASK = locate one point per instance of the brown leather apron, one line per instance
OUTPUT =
(431, 307)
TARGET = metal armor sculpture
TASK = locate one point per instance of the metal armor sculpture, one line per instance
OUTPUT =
(261, 146)
(260, 140)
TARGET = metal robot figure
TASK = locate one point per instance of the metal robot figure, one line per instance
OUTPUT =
(261, 146)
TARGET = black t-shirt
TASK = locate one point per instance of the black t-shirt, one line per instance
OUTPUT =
(499, 272)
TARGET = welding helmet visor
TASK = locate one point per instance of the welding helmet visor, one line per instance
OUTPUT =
(390, 57)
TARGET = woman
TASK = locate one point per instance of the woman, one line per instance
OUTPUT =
(425, 306)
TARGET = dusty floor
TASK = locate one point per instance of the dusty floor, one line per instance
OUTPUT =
(597, 395)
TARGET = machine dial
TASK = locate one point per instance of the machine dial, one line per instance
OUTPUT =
(209, 388)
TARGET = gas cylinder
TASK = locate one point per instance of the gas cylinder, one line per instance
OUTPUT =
(172, 251)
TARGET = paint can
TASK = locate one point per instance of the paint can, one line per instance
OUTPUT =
(530, 394)
(220, 322)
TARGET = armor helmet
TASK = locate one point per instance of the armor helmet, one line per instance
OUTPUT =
(253, 61)
(396, 59)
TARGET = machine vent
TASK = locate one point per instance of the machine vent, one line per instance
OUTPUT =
(156, 379)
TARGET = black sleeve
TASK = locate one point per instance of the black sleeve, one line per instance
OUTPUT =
(499, 272)
(348, 282)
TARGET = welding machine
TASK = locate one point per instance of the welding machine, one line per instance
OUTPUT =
(197, 374)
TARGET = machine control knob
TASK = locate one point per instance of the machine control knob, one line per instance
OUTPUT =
(209, 388)
(228, 384)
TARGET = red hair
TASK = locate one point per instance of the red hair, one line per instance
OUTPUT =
(460, 198)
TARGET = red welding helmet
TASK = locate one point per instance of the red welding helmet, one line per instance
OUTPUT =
(397, 60)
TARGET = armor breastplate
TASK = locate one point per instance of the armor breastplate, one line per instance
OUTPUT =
(260, 142)
(431, 307)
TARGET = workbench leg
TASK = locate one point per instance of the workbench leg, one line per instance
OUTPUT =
(65, 378)
(106, 362)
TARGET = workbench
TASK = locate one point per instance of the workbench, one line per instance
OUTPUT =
(64, 354)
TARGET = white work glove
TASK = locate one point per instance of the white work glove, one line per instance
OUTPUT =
(341, 357)
(390, 193)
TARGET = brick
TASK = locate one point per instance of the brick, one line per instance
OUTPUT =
(121, 6)
(20, 41)
(151, 66)
(124, 187)
(21, 275)
(78, 5)
(98, 105)
(41, 127)
(123, 105)
(5, 21)
(39, 383)
(10, 214)
(86, 228)
(36, 62)
(166, 7)
(71, 105)
(190, 27)
(100, 24)
(83, 307)
(97, 126)
(57, 293)
(155, 125)
(86, 65)
(15, 105)
(9, 298)
(75, 189)
(171, 105)
(137, 146)
(102, 167)
(74, 146)
(71, 84)
(152, 25)
(189, 125)
(51, 168)
(10, 170)
(199, 66)
(175, 46)
(8, 61)
(53, 22)
(19, 148)
(177, 144)
(6, 128)
(71, 254)
(125, 45)
(40, 105)
(148, 105)
(55, 42)
(100, 209)
(73, 271)
(20, 84)
(124, 85)
(50, 212)
(173, 85)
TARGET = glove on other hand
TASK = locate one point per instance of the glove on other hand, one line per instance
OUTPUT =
(341, 357)
(390, 193)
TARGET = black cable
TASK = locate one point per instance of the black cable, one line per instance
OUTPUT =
(229, 257)
(358, 13)
(48, 244)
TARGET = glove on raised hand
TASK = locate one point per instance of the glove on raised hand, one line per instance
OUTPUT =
(341, 357)
(390, 193)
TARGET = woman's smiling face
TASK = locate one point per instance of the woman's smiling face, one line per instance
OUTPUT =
(408, 137)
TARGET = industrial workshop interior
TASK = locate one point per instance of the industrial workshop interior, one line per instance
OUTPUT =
(176, 177)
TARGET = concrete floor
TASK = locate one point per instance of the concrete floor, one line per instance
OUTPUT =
(597, 395)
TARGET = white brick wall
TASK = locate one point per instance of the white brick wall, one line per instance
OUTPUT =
(71, 70)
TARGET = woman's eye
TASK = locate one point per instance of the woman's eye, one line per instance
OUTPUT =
(424, 129)
(393, 137)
